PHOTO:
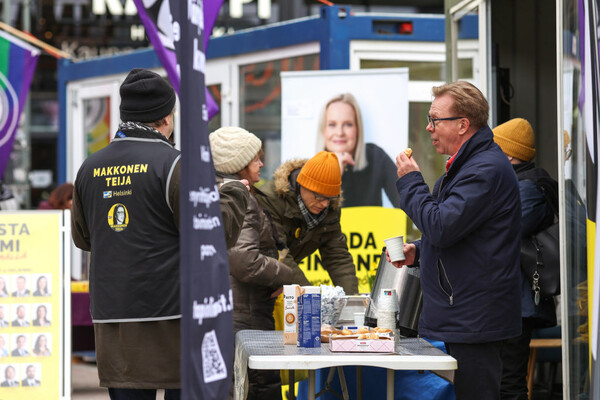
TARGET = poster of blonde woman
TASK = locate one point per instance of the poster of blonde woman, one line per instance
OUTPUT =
(362, 116)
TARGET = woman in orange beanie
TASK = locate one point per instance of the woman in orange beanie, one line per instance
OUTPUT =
(304, 200)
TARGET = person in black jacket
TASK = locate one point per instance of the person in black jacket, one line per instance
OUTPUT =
(517, 141)
(126, 196)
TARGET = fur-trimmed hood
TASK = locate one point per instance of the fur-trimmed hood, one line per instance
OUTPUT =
(283, 184)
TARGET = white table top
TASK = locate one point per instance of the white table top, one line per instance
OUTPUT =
(265, 350)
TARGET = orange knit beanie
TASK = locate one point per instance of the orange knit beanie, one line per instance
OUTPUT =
(322, 174)
(515, 138)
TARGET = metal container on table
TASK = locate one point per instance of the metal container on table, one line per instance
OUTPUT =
(354, 304)
(407, 283)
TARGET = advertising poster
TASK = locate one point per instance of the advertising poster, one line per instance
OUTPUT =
(364, 114)
(31, 306)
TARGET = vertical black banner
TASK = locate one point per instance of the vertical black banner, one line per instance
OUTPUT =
(206, 301)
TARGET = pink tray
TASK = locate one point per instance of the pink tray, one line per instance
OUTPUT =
(362, 345)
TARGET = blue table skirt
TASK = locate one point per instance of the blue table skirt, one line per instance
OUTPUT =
(408, 385)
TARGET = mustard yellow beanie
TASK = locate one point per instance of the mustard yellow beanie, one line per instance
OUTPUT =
(322, 174)
(516, 139)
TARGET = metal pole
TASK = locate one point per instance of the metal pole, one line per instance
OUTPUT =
(26, 23)
(6, 11)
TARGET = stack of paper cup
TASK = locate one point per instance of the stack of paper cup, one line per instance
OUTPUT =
(387, 308)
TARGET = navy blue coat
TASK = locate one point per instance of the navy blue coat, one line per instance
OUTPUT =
(469, 249)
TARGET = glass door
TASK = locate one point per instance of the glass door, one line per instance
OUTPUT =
(92, 120)
(426, 62)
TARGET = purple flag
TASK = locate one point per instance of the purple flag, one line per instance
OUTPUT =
(206, 298)
(157, 19)
(17, 64)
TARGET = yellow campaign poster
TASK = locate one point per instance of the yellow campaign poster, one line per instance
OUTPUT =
(362, 117)
(365, 229)
(31, 316)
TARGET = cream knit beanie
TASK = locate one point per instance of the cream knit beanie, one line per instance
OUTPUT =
(233, 148)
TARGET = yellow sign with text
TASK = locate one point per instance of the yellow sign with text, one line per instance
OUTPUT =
(31, 306)
(365, 229)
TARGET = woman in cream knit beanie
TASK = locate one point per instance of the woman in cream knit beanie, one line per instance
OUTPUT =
(233, 149)
(255, 273)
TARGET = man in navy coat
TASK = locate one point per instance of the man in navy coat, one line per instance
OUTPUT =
(470, 246)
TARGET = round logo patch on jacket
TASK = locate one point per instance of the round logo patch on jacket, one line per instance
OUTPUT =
(118, 217)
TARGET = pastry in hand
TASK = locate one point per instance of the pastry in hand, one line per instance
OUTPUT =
(408, 152)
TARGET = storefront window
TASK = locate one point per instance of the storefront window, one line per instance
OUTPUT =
(96, 124)
(260, 102)
(215, 121)
(580, 193)
(430, 162)
(423, 70)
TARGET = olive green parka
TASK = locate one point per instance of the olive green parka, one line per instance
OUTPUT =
(279, 197)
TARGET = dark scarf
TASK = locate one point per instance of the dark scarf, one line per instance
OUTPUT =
(311, 219)
(140, 130)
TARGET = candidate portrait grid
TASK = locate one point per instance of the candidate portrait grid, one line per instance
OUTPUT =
(21, 300)
(36, 344)
(24, 303)
(21, 374)
(25, 285)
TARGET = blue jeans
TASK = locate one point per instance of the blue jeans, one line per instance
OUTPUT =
(142, 394)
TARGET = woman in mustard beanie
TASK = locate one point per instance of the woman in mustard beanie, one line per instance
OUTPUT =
(256, 276)
(304, 200)
(517, 141)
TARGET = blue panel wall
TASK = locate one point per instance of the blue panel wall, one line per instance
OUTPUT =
(333, 28)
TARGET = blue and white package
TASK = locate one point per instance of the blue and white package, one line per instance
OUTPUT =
(309, 317)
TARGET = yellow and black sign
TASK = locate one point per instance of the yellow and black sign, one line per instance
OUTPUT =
(365, 229)
(32, 318)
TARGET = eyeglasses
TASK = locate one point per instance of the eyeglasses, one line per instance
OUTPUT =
(319, 197)
(568, 153)
(433, 120)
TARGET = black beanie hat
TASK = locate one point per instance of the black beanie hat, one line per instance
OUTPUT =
(145, 97)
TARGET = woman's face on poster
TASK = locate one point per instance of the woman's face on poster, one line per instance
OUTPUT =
(42, 283)
(41, 312)
(341, 132)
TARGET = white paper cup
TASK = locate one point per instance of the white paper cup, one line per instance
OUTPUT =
(395, 248)
(359, 318)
